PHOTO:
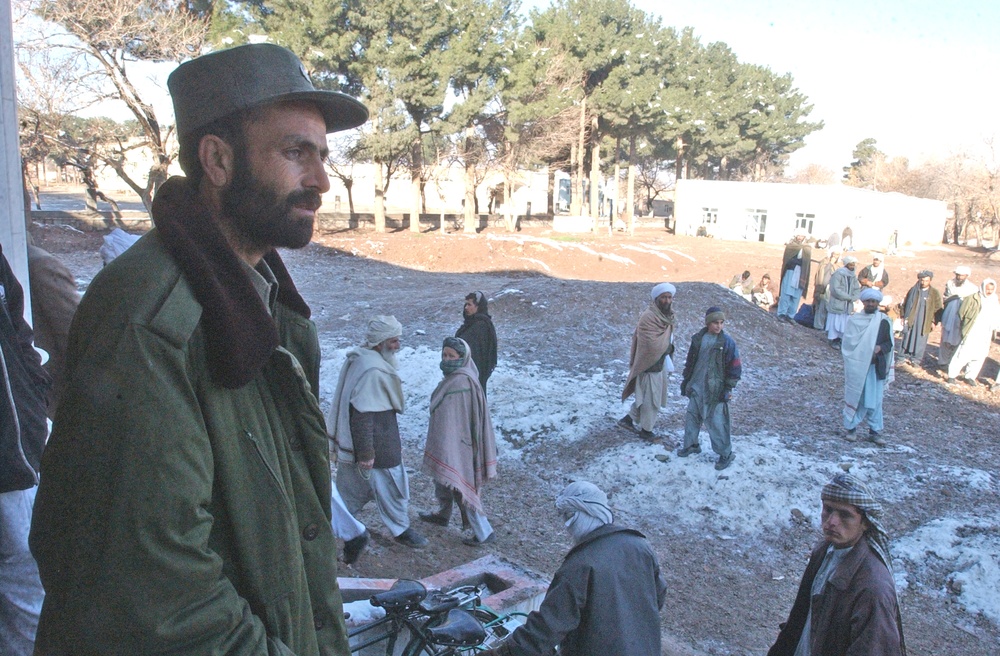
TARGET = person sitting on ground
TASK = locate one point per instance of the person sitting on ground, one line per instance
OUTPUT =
(742, 284)
(762, 296)
(605, 598)
(461, 449)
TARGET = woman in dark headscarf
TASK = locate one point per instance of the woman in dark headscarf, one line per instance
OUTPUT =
(461, 450)
(478, 332)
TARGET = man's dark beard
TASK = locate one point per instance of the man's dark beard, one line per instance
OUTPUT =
(871, 311)
(261, 219)
(664, 307)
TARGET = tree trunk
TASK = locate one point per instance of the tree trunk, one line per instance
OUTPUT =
(630, 187)
(595, 172)
(550, 192)
(580, 149)
(574, 196)
(379, 198)
(349, 186)
(415, 185)
(470, 182)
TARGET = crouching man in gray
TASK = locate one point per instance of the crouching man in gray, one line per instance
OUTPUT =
(606, 596)
(846, 602)
(362, 423)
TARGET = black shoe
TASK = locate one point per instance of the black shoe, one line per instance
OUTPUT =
(475, 542)
(876, 437)
(354, 547)
(725, 461)
(688, 450)
(647, 435)
(626, 422)
(851, 435)
(434, 518)
(412, 539)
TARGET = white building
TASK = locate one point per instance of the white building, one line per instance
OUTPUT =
(770, 212)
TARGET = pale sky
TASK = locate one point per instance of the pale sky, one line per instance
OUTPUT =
(921, 77)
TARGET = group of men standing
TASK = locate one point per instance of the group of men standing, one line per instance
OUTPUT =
(711, 371)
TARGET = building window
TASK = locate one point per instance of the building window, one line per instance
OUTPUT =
(709, 216)
(805, 221)
(756, 226)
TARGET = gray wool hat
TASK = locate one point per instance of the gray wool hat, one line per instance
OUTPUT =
(224, 82)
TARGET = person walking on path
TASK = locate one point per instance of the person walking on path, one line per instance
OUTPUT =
(461, 450)
(711, 372)
(649, 362)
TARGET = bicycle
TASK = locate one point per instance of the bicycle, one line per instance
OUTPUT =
(452, 623)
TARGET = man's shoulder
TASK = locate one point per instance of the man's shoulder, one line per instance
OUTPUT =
(143, 286)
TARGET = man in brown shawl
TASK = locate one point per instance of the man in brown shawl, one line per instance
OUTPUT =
(649, 362)
(461, 449)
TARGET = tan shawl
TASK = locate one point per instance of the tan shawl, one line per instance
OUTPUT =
(651, 339)
(461, 449)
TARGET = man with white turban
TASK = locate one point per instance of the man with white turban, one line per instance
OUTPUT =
(795, 264)
(956, 290)
(846, 603)
(875, 275)
(362, 422)
(980, 317)
(649, 362)
(605, 598)
(868, 367)
(844, 289)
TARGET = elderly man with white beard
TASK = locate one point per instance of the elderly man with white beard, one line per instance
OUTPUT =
(363, 425)
(868, 367)
(649, 362)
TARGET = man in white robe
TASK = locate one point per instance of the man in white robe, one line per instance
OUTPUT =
(980, 317)
(362, 423)
(867, 348)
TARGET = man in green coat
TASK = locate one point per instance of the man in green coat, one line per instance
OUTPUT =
(184, 506)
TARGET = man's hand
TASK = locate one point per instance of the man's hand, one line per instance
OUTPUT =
(366, 464)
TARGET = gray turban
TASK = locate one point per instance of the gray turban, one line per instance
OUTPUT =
(585, 507)
(845, 488)
(380, 328)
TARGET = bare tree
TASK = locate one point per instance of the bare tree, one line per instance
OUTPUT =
(106, 37)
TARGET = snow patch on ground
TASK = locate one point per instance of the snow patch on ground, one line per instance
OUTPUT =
(962, 550)
(769, 485)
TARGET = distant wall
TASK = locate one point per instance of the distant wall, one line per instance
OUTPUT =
(769, 211)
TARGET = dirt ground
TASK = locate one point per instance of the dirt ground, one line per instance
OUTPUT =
(580, 297)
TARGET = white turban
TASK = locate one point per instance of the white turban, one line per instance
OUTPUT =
(963, 271)
(380, 328)
(871, 294)
(849, 259)
(878, 256)
(663, 288)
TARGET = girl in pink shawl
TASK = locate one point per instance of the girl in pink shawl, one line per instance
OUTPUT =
(461, 450)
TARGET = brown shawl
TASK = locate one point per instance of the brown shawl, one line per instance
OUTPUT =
(651, 339)
(461, 449)
(239, 331)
